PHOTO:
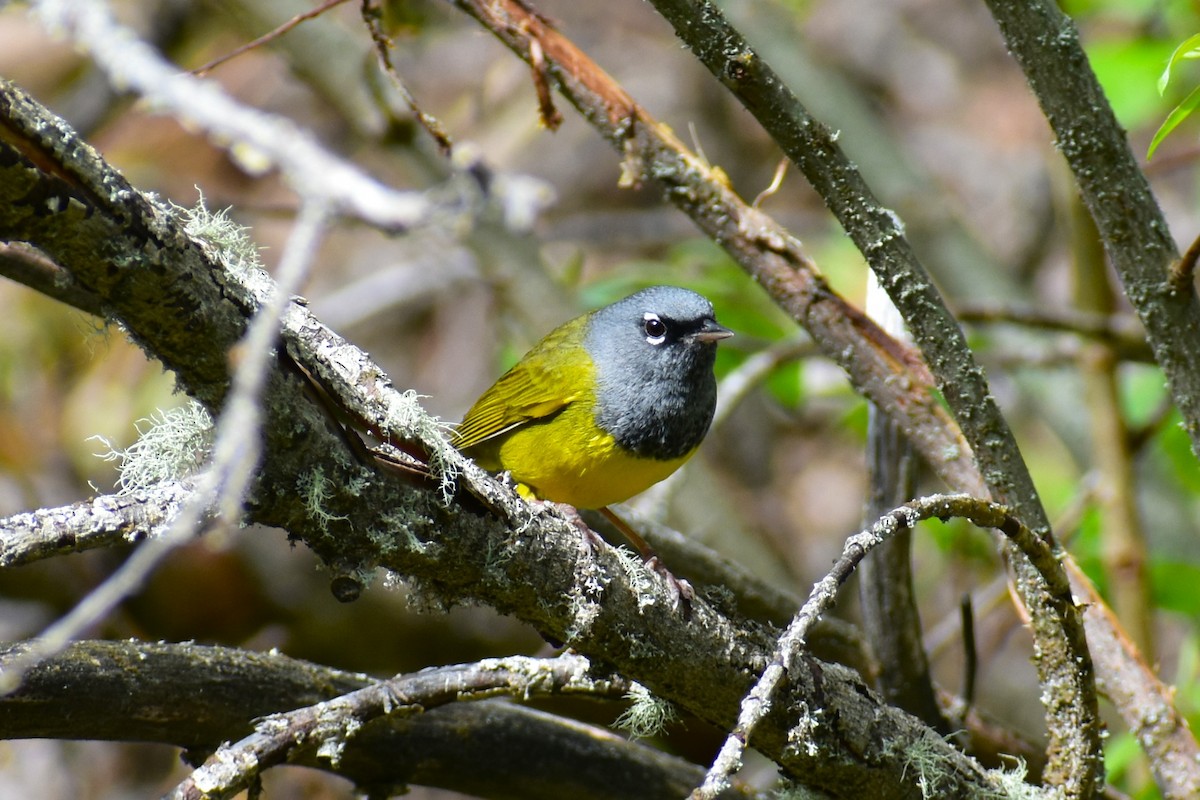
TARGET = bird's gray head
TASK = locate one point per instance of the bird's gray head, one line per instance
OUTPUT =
(653, 353)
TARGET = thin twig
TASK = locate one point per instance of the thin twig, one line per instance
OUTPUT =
(550, 116)
(966, 611)
(371, 15)
(776, 182)
(38, 272)
(266, 37)
(1183, 271)
(1114, 327)
(980, 512)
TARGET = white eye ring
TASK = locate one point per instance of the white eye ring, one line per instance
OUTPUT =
(655, 328)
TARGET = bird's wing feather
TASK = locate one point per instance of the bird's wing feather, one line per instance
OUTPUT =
(533, 389)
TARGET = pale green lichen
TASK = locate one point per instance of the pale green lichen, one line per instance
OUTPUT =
(315, 491)
(227, 241)
(800, 736)
(640, 578)
(583, 611)
(647, 714)
(405, 416)
(924, 759)
(641, 646)
(402, 521)
(1011, 785)
(333, 729)
(589, 586)
(171, 445)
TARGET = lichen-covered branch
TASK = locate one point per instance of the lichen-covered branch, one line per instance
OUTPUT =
(100, 522)
(315, 172)
(196, 697)
(330, 725)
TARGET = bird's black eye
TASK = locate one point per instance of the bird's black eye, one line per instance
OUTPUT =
(656, 329)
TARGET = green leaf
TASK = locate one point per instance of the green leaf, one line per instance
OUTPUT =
(1177, 115)
(1126, 68)
(1189, 48)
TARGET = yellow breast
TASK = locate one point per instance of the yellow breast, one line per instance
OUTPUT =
(568, 459)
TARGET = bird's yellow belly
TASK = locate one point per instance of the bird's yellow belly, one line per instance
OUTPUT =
(567, 459)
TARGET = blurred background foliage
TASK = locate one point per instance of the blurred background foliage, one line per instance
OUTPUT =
(930, 107)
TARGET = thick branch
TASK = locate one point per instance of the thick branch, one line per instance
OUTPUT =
(329, 725)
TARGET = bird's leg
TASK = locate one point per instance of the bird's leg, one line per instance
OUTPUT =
(682, 593)
(591, 539)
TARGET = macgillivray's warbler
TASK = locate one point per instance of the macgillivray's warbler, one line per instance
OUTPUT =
(604, 406)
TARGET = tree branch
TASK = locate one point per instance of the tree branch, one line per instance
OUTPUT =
(39, 273)
(275, 142)
(100, 522)
(1045, 43)
(885, 580)
(195, 697)
(330, 725)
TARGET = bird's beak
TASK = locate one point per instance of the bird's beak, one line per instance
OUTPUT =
(711, 331)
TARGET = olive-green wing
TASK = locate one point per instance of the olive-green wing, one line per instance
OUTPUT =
(556, 372)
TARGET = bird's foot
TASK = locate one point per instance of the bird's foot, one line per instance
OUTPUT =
(679, 590)
(591, 540)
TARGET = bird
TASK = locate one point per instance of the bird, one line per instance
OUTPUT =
(605, 405)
